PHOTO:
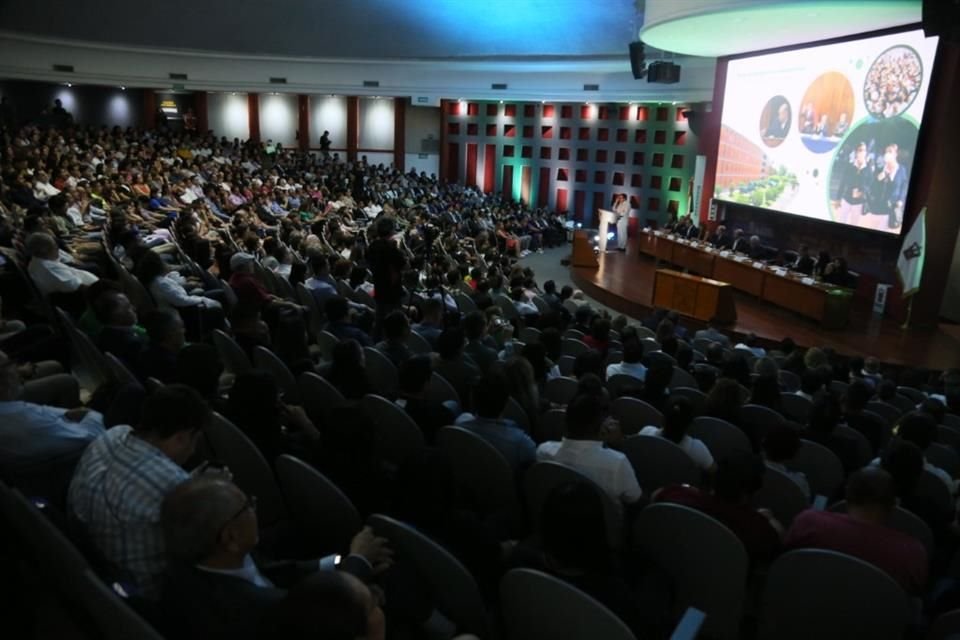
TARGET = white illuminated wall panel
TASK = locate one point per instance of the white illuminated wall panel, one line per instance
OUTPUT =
(278, 118)
(376, 123)
(227, 115)
(328, 113)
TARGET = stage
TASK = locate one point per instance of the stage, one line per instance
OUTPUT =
(624, 282)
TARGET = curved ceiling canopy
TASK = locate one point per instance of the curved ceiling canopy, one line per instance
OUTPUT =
(727, 27)
(355, 29)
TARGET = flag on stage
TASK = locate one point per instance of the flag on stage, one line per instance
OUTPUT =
(910, 262)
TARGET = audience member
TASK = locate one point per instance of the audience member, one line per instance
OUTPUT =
(862, 532)
(125, 474)
(677, 416)
(504, 435)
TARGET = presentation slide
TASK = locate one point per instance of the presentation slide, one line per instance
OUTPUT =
(827, 132)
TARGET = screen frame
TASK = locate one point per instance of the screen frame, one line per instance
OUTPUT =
(723, 61)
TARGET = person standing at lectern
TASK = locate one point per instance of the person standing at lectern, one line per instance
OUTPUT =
(622, 210)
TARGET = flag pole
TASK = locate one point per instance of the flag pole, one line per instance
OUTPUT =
(906, 323)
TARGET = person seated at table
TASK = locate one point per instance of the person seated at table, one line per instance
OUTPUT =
(804, 263)
(755, 249)
(836, 273)
(739, 243)
(719, 238)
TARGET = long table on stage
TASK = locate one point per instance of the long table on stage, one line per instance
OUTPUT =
(701, 298)
(824, 303)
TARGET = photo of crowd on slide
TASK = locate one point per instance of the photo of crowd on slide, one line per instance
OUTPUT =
(775, 121)
(825, 112)
(870, 174)
(893, 82)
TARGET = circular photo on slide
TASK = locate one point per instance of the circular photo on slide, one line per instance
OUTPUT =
(775, 121)
(893, 81)
(870, 174)
(825, 112)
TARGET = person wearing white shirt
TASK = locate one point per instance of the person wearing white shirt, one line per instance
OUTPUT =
(677, 416)
(42, 189)
(749, 344)
(631, 365)
(46, 270)
(582, 448)
(167, 288)
(621, 207)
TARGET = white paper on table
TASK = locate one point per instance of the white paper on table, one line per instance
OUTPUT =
(808, 280)
(724, 254)
(758, 265)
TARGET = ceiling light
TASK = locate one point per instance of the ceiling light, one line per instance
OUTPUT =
(122, 88)
(501, 102)
(460, 100)
(69, 84)
(234, 93)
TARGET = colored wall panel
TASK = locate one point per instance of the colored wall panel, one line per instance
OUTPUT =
(489, 168)
(471, 173)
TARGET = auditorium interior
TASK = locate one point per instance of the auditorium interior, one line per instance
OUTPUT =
(503, 320)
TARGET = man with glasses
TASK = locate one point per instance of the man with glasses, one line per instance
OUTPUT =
(123, 477)
(215, 587)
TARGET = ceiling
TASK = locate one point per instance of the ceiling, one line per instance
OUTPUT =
(358, 29)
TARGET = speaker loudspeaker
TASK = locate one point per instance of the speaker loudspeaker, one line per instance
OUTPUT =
(637, 60)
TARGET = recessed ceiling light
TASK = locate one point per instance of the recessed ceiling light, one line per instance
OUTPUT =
(501, 102)
(122, 88)
(69, 84)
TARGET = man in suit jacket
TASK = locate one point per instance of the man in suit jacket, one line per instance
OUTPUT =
(739, 244)
(214, 587)
(719, 238)
(804, 262)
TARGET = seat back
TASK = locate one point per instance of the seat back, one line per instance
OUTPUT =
(943, 456)
(325, 518)
(561, 390)
(537, 606)
(946, 626)
(696, 397)
(234, 358)
(618, 383)
(722, 438)
(781, 495)
(864, 448)
(888, 412)
(381, 372)
(513, 411)
(396, 435)
(319, 396)
(635, 414)
(932, 488)
(464, 302)
(550, 426)
(795, 407)
(112, 616)
(251, 471)
(573, 334)
(418, 344)
(682, 378)
(789, 381)
(757, 420)
(573, 347)
(119, 371)
(529, 335)
(454, 590)
(506, 306)
(543, 477)
(905, 522)
(707, 562)
(810, 591)
(327, 341)
(439, 390)
(914, 395)
(822, 467)
(267, 360)
(566, 365)
(657, 462)
(315, 313)
(482, 472)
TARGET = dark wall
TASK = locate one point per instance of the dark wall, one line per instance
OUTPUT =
(872, 254)
(89, 105)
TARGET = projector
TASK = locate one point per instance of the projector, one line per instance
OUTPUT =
(662, 71)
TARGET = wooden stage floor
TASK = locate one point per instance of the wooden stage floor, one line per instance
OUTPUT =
(624, 282)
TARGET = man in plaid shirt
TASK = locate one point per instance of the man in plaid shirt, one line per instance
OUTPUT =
(123, 477)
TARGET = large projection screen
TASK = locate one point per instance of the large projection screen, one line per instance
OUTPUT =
(826, 132)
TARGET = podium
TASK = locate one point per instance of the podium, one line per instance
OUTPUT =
(693, 296)
(583, 255)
